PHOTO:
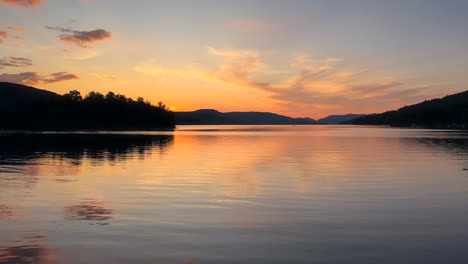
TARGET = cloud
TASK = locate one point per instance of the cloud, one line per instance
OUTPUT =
(238, 72)
(14, 62)
(316, 84)
(18, 45)
(85, 55)
(334, 60)
(107, 77)
(15, 29)
(248, 56)
(22, 3)
(51, 49)
(5, 35)
(240, 67)
(33, 78)
(58, 77)
(81, 39)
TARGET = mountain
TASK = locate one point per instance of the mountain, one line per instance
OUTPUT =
(448, 112)
(213, 117)
(12, 95)
(337, 119)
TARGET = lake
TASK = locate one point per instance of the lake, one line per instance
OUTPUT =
(235, 194)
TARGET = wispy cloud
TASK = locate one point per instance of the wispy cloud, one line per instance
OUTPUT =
(82, 39)
(22, 3)
(15, 29)
(107, 77)
(58, 77)
(316, 83)
(52, 49)
(86, 55)
(5, 35)
(249, 56)
(14, 62)
(33, 78)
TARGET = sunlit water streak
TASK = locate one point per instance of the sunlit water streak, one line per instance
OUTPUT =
(235, 194)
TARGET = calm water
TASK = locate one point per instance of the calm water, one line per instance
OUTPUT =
(235, 194)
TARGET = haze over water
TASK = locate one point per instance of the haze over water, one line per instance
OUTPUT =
(235, 194)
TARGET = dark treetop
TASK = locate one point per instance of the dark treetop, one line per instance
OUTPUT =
(28, 108)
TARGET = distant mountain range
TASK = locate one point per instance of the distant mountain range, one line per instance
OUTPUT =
(13, 95)
(338, 119)
(214, 117)
(448, 112)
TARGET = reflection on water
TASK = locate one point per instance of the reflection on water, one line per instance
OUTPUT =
(6, 212)
(235, 194)
(25, 153)
(89, 211)
(457, 146)
(27, 249)
(16, 149)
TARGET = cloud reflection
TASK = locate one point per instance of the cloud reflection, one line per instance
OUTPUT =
(30, 248)
(89, 211)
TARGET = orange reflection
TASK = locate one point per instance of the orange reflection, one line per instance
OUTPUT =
(30, 248)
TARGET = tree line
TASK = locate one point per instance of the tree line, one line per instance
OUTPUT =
(95, 111)
(448, 112)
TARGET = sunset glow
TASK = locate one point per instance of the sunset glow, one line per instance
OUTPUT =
(299, 58)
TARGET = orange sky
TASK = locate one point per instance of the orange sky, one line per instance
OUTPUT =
(293, 59)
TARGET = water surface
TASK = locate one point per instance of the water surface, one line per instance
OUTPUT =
(235, 194)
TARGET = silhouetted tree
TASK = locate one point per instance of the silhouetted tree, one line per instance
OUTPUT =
(162, 106)
(74, 96)
(94, 97)
(110, 97)
(95, 111)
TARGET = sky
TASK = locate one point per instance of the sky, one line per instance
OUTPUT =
(299, 58)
